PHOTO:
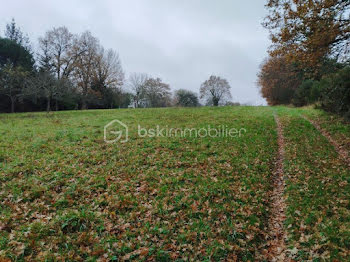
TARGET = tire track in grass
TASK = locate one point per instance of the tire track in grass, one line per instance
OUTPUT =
(276, 245)
(317, 194)
(340, 150)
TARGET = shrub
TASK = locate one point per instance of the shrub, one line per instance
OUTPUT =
(307, 93)
(335, 92)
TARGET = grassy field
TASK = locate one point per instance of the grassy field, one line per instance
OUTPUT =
(66, 194)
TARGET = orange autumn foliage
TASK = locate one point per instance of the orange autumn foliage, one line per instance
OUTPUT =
(278, 80)
(307, 31)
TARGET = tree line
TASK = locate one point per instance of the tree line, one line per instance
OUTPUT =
(309, 60)
(74, 71)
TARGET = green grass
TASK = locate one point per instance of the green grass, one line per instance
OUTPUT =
(67, 195)
(333, 124)
(318, 191)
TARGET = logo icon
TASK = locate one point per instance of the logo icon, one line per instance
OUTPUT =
(116, 131)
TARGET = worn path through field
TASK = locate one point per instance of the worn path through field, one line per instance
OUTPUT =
(276, 245)
(341, 151)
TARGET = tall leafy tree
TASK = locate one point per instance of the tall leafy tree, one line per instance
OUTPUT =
(16, 64)
(17, 55)
(12, 81)
(278, 80)
(14, 33)
(306, 32)
(186, 98)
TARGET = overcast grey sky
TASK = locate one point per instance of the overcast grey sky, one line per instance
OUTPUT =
(181, 41)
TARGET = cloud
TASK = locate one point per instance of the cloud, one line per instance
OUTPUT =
(181, 41)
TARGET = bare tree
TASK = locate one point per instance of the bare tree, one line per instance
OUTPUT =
(157, 92)
(215, 89)
(56, 52)
(87, 46)
(108, 76)
(137, 85)
(109, 72)
(43, 85)
(45, 57)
